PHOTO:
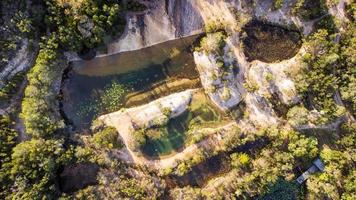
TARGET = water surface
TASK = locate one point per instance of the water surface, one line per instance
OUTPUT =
(139, 72)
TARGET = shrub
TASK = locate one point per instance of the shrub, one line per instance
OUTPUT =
(239, 160)
(226, 95)
(251, 86)
(213, 43)
(277, 4)
(309, 9)
(7, 142)
(138, 139)
(167, 111)
(303, 147)
(11, 87)
(214, 26)
(282, 189)
(98, 18)
(107, 138)
(269, 76)
(298, 115)
(7, 138)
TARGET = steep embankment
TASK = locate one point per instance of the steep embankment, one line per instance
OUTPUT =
(162, 21)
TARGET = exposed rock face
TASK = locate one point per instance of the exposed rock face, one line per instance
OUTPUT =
(164, 20)
(220, 86)
(263, 10)
(167, 20)
(23, 60)
(271, 78)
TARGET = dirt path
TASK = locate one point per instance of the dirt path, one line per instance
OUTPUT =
(15, 100)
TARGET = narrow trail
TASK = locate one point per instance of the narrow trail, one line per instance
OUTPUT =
(15, 100)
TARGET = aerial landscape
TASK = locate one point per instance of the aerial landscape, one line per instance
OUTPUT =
(178, 99)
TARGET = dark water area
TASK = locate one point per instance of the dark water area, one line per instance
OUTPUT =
(270, 43)
(136, 71)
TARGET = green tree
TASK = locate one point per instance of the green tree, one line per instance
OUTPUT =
(282, 189)
(7, 142)
(33, 168)
(107, 138)
(39, 108)
(303, 147)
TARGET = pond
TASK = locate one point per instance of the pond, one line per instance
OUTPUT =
(270, 43)
(201, 114)
(106, 84)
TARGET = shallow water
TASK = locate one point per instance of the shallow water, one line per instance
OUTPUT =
(201, 115)
(138, 71)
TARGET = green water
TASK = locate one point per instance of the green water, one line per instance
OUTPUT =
(136, 71)
(85, 88)
(175, 133)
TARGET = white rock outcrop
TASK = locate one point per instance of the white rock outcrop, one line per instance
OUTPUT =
(164, 20)
(23, 60)
(271, 78)
(220, 85)
(152, 113)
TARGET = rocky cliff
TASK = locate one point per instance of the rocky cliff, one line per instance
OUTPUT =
(163, 20)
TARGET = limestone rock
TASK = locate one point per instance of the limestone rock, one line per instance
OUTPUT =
(22, 60)
(271, 78)
(152, 113)
(164, 20)
(220, 85)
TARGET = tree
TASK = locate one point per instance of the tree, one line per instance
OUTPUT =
(107, 138)
(7, 142)
(282, 189)
(213, 43)
(187, 193)
(39, 107)
(33, 168)
(317, 82)
(7, 139)
(303, 147)
(240, 160)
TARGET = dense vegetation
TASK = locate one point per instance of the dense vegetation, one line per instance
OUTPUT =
(39, 103)
(29, 169)
(328, 72)
(262, 164)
